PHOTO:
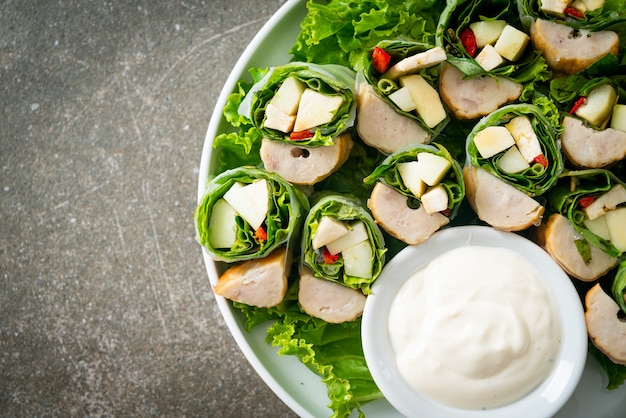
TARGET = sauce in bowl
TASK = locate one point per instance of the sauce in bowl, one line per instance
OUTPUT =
(475, 328)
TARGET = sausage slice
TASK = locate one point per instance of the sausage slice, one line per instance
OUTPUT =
(591, 148)
(606, 330)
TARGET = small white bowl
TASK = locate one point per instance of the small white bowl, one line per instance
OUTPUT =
(543, 401)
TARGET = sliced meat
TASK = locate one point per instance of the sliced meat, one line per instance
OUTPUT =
(558, 237)
(260, 282)
(568, 51)
(381, 127)
(328, 300)
(416, 62)
(499, 204)
(391, 212)
(305, 165)
(591, 148)
(606, 330)
(475, 97)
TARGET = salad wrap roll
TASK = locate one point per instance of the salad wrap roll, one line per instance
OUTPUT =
(518, 144)
(594, 122)
(247, 213)
(593, 201)
(398, 101)
(303, 103)
(576, 36)
(417, 191)
(342, 243)
(487, 37)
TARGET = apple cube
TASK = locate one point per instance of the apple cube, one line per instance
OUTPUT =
(432, 168)
(287, 97)
(358, 259)
(357, 233)
(512, 161)
(579, 5)
(618, 119)
(598, 226)
(251, 201)
(607, 201)
(276, 119)
(493, 140)
(488, 58)
(222, 225)
(435, 199)
(402, 98)
(616, 224)
(598, 106)
(554, 6)
(593, 4)
(427, 101)
(409, 173)
(328, 230)
(316, 109)
(525, 137)
(511, 43)
(487, 32)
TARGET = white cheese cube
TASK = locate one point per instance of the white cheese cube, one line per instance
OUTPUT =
(616, 224)
(554, 6)
(409, 173)
(328, 230)
(599, 105)
(402, 98)
(488, 58)
(357, 233)
(287, 97)
(316, 109)
(276, 119)
(427, 101)
(511, 43)
(512, 161)
(432, 168)
(358, 260)
(435, 200)
(618, 120)
(525, 137)
(251, 201)
(493, 140)
(487, 32)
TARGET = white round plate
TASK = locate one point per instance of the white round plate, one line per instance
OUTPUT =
(293, 383)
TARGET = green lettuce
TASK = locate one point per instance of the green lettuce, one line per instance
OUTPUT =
(615, 372)
(453, 183)
(287, 207)
(341, 32)
(537, 179)
(619, 287)
(345, 209)
(328, 79)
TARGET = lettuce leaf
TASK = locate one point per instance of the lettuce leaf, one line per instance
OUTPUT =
(341, 32)
(615, 372)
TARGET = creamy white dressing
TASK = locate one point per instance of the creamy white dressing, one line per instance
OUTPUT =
(475, 328)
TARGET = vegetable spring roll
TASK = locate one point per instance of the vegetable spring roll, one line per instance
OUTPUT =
(586, 235)
(342, 243)
(594, 128)
(417, 191)
(247, 213)
(302, 103)
(398, 101)
(512, 155)
(489, 56)
(574, 35)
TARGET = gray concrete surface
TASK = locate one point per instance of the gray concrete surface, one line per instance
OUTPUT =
(105, 307)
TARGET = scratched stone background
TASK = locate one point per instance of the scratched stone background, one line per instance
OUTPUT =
(105, 307)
